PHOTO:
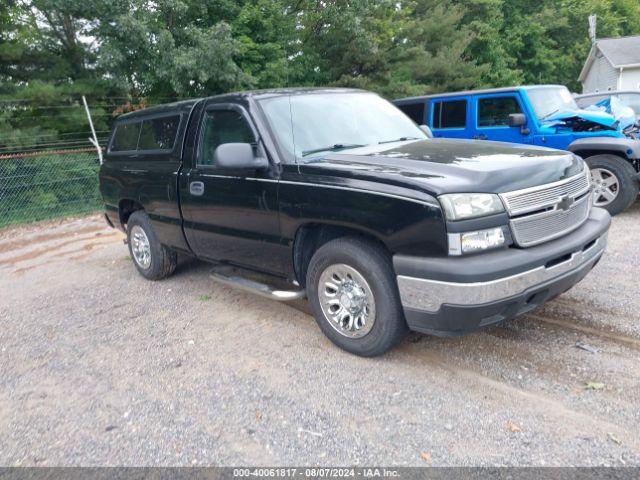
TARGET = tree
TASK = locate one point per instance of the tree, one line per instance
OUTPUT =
(432, 54)
(486, 20)
(265, 31)
(53, 51)
(547, 41)
(395, 48)
(173, 49)
(48, 62)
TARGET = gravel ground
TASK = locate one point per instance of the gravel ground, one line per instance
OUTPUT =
(100, 367)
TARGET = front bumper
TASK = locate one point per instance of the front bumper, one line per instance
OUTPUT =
(450, 296)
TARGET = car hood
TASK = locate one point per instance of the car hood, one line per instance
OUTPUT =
(624, 116)
(598, 117)
(437, 166)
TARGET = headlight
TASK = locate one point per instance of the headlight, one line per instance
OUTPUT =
(459, 206)
(477, 241)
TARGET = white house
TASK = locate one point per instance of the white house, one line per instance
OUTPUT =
(612, 64)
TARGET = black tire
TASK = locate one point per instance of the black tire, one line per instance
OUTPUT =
(372, 262)
(163, 260)
(626, 177)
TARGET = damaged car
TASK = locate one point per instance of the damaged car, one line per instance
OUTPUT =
(607, 100)
(544, 115)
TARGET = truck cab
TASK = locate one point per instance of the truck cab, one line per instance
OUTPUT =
(542, 115)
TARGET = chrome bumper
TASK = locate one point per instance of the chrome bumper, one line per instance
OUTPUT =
(429, 295)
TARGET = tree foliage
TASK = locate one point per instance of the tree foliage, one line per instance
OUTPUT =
(118, 51)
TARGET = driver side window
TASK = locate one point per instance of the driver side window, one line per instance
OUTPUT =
(219, 127)
(495, 111)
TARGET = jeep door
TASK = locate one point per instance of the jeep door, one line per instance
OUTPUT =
(230, 214)
(491, 114)
(449, 117)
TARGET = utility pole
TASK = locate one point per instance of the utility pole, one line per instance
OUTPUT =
(94, 140)
(593, 23)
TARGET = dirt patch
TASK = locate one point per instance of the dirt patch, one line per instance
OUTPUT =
(7, 246)
(618, 337)
(35, 253)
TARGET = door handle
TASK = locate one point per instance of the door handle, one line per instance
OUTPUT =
(196, 188)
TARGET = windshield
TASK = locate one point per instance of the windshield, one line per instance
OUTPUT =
(310, 125)
(549, 100)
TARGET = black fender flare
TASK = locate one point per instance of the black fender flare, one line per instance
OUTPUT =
(626, 147)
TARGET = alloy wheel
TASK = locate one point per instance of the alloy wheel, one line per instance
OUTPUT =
(347, 300)
(606, 186)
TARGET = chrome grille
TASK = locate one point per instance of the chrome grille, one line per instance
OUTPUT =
(545, 212)
(533, 229)
(544, 196)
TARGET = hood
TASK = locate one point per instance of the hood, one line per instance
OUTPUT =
(597, 117)
(437, 166)
(609, 114)
(624, 114)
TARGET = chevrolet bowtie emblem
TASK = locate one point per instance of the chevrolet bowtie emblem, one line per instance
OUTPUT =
(565, 203)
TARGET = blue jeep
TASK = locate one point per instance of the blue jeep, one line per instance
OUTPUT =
(545, 115)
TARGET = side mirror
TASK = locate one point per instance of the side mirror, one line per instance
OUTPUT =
(426, 130)
(517, 120)
(238, 156)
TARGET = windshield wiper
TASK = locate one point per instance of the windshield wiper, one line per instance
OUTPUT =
(549, 114)
(332, 148)
(401, 139)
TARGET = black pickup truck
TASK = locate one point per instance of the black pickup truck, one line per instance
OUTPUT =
(336, 195)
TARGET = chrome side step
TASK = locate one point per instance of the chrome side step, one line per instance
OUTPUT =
(226, 275)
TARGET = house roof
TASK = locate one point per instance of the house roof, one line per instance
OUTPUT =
(620, 53)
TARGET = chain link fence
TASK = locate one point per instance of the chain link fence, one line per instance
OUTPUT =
(48, 184)
(48, 158)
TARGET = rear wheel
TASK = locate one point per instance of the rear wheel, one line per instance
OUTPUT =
(614, 185)
(354, 296)
(153, 260)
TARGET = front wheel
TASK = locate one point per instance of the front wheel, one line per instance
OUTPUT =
(354, 297)
(614, 185)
